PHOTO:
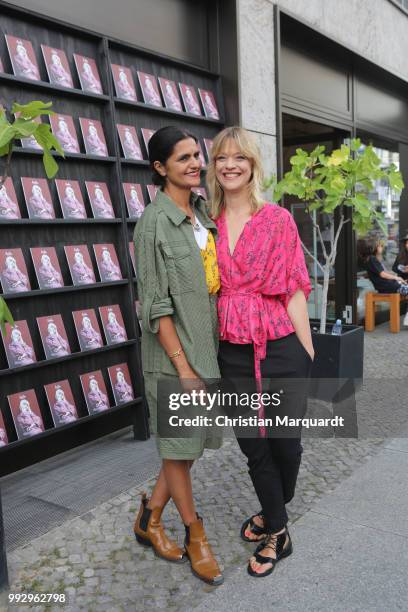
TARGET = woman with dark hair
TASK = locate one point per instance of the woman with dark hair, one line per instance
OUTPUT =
(400, 266)
(177, 284)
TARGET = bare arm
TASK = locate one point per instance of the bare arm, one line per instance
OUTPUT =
(170, 341)
(391, 276)
(297, 311)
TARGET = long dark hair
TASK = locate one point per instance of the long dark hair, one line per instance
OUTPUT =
(402, 258)
(366, 248)
(161, 146)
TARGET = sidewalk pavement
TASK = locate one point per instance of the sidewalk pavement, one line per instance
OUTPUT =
(72, 517)
(350, 549)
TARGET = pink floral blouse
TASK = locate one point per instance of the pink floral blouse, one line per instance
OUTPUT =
(259, 278)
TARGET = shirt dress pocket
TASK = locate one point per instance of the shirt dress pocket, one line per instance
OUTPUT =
(179, 264)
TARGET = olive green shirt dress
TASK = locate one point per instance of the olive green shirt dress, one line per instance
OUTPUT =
(171, 281)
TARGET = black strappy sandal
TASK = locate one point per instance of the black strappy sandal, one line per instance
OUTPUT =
(260, 532)
(277, 542)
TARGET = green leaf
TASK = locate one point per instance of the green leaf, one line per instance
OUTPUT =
(50, 165)
(6, 135)
(24, 128)
(5, 149)
(33, 109)
(5, 315)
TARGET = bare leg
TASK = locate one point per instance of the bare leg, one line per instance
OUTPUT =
(178, 480)
(161, 492)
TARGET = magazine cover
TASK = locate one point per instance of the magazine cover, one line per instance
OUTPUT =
(121, 384)
(53, 336)
(22, 58)
(9, 208)
(132, 256)
(70, 199)
(200, 191)
(63, 129)
(1, 70)
(107, 261)
(58, 69)
(134, 199)
(209, 104)
(26, 414)
(208, 142)
(129, 141)
(47, 268)
(3, 432)
(170, 94)
(152, 190)
(38, 198)
(113, 325)
(18, 344)
(30, 142)
(150, 91)
(61, 402)
(80, 265)
(94, 138)
(87, 329)
(95, 393)
(202, 158)
(88, 74)
(13, 271)
(124, 84)
(190, 99)
(147, 134)
(99, 198)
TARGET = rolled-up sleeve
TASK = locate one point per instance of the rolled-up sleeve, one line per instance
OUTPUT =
(152, 282)
(297, 276)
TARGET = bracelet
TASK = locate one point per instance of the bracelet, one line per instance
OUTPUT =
(176, 353)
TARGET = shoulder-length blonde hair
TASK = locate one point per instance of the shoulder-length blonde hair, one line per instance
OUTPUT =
(248, 147)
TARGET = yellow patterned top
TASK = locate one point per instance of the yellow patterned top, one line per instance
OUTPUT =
(209, 255)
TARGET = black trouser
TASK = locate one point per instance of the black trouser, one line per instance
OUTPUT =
(273, 462)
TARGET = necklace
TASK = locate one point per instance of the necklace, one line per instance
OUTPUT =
(195, 223)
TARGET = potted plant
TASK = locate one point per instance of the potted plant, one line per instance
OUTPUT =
(23, 125)
(329, 184)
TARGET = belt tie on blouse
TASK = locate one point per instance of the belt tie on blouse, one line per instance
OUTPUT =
(258, 336)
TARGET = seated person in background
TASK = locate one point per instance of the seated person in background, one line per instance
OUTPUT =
(400, 266)
(383, 281)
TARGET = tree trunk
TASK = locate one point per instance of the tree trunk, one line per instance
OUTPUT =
(323, 313)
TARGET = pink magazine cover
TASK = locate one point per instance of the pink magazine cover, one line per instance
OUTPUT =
(22, 58)
(94, 138)
(26, 414)
(53, 336)
(107, 261)
(88, 74)
(202, 158)
(190, 99)
(134, 199)
(18, 344)
(87, 329)
(147, 133)
(121, 383)
(200, 191)
(95, 393)
(113, 325)
(61, 402)
(152, 191)
(57, 66)
(170, 94)
(13, 271)
(129, 141)
(100, 200)
(132, 256)
(209, 104)
(3, 433)
(80, 265)
(123, 81)
(208, 142)
(38, 198)
(150, 91)
(47, 268)
(70, 199)
(9, 208)
(63, 129)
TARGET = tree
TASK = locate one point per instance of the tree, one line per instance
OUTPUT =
(329, 183)
(23, 125)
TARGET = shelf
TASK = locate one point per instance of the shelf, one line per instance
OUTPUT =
(66, 289)
(167, 111)
(64, 428)
(67, 156)
(49, 362)
(49, 87)
(135, 162)
(59, 221)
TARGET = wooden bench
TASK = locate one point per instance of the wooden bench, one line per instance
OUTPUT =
(394, 300)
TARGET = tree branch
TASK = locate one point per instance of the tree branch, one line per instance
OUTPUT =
(312, 256)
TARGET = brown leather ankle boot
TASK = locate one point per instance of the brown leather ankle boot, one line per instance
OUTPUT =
(149, 531)
(203, 563)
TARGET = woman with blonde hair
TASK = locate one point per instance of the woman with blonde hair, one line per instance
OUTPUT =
(264, 328)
